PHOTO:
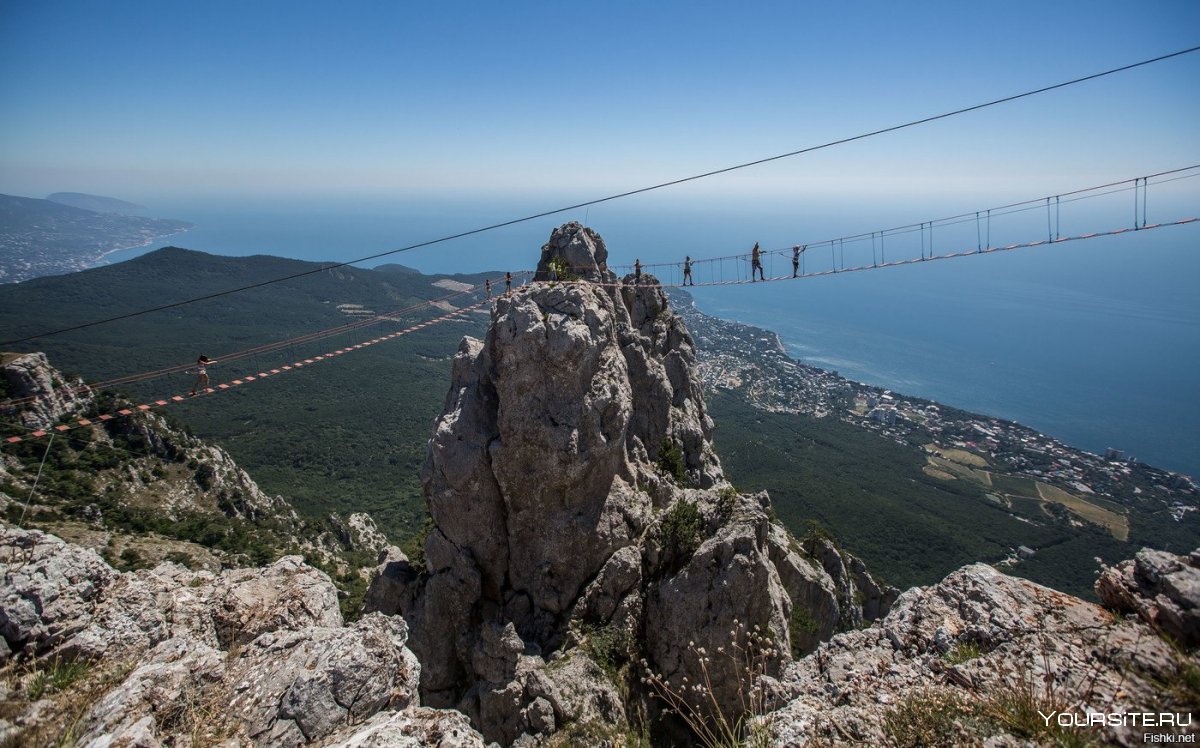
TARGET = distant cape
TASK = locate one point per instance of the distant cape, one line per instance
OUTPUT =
(97, 203)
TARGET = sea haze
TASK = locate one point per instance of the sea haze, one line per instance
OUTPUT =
(1095, 342)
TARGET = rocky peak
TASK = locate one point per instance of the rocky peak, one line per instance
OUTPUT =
(574, 488)
(574, 251)
(39, 395)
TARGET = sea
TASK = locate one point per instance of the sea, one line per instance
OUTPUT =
(1095, 342)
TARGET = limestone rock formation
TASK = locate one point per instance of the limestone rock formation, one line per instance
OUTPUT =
(42, 396)
(1162, 588)
(253, 656)
(581, 515)
(971, 660)
(175, 472)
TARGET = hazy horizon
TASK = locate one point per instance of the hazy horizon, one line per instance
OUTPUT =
(143, 101)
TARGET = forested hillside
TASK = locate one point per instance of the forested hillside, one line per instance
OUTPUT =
(347, 434)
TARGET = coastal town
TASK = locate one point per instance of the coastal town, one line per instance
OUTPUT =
(752, 361)
(39, 237)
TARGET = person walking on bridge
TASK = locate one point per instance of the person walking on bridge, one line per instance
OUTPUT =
(796, 250)
(687, 271)
(201, 382)
(756, 263)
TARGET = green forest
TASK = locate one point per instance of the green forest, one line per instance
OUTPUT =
(872, 494)
(335, 436)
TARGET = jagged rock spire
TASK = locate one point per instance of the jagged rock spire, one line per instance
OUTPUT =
(570, 437)
(574, 251)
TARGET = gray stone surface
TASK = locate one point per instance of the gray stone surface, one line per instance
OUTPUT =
(1160, 587)
(43, 394)
(49, 588)
(980, 637)
(255, 655)
(411, 728)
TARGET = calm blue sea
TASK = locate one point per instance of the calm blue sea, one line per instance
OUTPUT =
(1094, 342)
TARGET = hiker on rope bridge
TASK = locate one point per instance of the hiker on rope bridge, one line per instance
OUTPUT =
(687, 271)
(796, 250)
(756, 263)
(201, 373)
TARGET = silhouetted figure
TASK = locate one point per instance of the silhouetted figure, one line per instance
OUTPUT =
(507, 283)
(796, 250)
(201, 382)
(687, 271)
(637, 270)
(487, 284)
(756, 263)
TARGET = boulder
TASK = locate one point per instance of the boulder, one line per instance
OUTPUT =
(50, 589)
(1160, 587)
(979, 644)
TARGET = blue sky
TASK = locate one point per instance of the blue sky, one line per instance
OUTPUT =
(558, 101)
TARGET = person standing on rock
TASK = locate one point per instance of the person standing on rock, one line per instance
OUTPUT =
(756, 263)
(508, 283)
(637, 270)
(487, 285)
(687, 271)
(201, 374)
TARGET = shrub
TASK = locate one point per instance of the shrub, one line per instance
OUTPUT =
(561, 271)
(680, 530)
(610, 648)
(801, 622)
(670, 461)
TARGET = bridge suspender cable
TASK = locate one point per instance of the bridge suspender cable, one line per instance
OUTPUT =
(588, 203)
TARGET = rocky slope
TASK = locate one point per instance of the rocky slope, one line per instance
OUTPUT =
(169, 656)
(581, 521)
(984, 657)
(140, 489)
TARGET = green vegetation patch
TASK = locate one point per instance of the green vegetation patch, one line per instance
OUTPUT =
(874, 496)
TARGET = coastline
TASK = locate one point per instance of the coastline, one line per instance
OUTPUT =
(783, 383)
(99, 260)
